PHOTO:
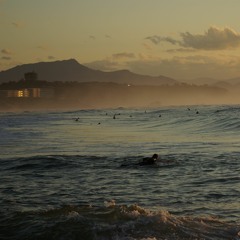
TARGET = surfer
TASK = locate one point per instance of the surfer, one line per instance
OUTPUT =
(145, 161)
(150, 160)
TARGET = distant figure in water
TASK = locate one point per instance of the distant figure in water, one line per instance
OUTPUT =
(150, 160)
(145, 161)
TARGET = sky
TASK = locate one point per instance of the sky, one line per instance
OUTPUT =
(182, 39)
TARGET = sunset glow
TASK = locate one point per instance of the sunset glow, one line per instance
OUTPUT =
(179, 39)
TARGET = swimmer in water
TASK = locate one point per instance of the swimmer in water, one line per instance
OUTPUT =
(145, 161)
(150, 160)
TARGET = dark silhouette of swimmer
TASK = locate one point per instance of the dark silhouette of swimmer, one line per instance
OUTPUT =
(145, 161)
(150, 160)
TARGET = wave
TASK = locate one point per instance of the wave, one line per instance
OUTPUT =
(44, 183)
(73, 161)
(221, 121)
(114, 221)
(47, 162)
(208, 120)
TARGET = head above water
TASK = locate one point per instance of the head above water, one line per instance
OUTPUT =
(155, 156)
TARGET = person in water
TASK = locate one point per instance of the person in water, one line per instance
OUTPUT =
(150, 160)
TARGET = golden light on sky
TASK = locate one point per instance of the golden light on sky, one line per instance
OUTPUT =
(176, 38)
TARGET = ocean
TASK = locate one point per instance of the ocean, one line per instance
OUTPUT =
(76, 174)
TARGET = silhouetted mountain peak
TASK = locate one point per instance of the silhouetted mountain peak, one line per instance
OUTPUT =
(71, 70)
(68, 62)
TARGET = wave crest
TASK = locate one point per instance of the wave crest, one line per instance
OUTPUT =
(118, 222)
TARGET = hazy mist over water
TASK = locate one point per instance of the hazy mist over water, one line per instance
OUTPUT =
(76, 96)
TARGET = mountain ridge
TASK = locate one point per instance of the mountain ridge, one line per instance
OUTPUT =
(71, 70)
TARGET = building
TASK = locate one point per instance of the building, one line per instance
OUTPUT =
(27, 89)
(29, 93)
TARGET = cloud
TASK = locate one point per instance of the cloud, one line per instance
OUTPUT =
(92, 37)
(124, 55)
(18, 24)
(147, 46)
(51, 57)
(6, 51)
(43, 47)
(157, 39)
(181, 50)
(213, 39)
(6, 58)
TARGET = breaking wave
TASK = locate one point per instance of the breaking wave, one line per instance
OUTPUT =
(113, 221)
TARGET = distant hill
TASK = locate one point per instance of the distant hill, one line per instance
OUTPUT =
(226, 83)
(202, 81)
(71, 70)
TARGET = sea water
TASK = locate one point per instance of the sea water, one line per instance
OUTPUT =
(76, 174)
